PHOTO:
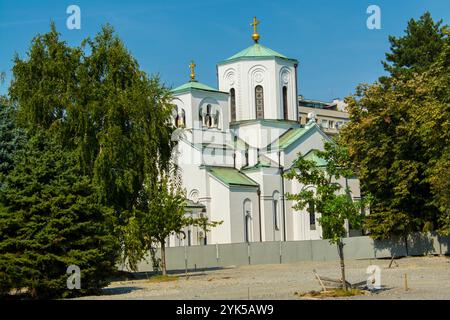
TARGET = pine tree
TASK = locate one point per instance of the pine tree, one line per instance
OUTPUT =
(11, 138)
(50, 218)
(418, 49)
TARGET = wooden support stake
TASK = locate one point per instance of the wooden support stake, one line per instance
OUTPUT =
(406, 282)
(320, 281)
(390, 264)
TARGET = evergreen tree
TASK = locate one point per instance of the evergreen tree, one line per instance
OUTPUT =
(418, 49)
(50, 218)
(11, 138)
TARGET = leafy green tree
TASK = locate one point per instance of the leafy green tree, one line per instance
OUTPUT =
(50, 218)
(41, 85)
(164, 215)
(325, 189)
(399, 137)
(99, 103)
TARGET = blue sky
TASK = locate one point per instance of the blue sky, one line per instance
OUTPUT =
(330, 38)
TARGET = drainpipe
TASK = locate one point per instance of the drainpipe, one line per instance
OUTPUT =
(296, 92)
(259, 212)
(282, 193)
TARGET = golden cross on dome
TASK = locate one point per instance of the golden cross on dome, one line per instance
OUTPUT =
(192, 67)
(254, 24)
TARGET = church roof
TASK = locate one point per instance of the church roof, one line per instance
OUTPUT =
(257, 51)
(312, 156)
(263, 162)
(287, 138)
(194, 85)
(232, 176)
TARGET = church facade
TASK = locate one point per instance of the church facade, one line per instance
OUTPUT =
(234, 144)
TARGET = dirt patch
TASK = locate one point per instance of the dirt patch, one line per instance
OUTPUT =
(335, 293)
(428, 278)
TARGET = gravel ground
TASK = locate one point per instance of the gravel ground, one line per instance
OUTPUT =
(428, 278)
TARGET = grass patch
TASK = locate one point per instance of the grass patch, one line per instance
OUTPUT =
(335, 293)
(161, 278)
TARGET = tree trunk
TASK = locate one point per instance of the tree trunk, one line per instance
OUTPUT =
(341, 258)
(163, 257)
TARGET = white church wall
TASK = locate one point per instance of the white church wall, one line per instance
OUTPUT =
(273, 155)
(184, 102)
(299, 220)
(219, 210)
(238, 196)
(270, 181)
(259, 134)
(240, 158)
(218, 101)
(195, 100)
(194, 178)
(271, 73)
(313, 139)
(286, 76)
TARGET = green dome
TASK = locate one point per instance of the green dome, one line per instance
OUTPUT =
(257, 51)
(193, 85)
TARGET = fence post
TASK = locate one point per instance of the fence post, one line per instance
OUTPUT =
(185, 259)
(281, 254)
(217, 254)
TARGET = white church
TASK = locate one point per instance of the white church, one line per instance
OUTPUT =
(235, 142)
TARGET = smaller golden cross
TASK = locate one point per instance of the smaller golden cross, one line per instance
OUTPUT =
(254, 24)
(192, 67)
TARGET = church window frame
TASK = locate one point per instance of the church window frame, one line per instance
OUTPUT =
(285, 103)
(276, 210)
(232, 105)
(248, 230)
(211, 118)
(312, 216)
(180, 120)
(259, 102)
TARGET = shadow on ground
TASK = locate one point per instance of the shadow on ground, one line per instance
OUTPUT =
(119, 290)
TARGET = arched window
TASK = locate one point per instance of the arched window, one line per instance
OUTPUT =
(181, 119)
(259, 102)
(246, 158)
(183, 116)
(276, 210)
(201, 118)
(247, 221)
(215, 119)
(208, 118)
(285, 104)
(233, 104)
(312, 216)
